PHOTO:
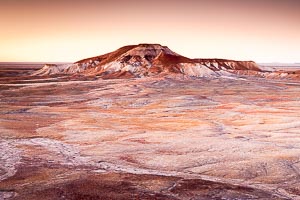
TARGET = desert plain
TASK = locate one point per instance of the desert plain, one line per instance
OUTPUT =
(149, 138)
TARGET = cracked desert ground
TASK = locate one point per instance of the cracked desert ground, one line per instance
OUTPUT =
(151, 138)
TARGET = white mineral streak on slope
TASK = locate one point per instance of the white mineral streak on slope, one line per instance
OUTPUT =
(10, 156)
(73, 68)
(113, 67)
(69, 153)
(129, 68)
(6, 195)
(216, 65)
(197, 70)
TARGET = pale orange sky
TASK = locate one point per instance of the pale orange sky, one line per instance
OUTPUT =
(65, 30)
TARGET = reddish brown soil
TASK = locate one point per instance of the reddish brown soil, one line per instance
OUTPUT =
(87, 185)
(151, 138)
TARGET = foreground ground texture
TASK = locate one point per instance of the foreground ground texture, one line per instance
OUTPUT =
(152, 138)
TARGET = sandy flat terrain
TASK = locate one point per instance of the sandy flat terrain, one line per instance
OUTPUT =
(151, 138)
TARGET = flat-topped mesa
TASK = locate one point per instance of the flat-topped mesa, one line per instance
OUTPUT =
(148, 60)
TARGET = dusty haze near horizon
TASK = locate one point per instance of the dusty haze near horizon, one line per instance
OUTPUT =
(39, 30)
